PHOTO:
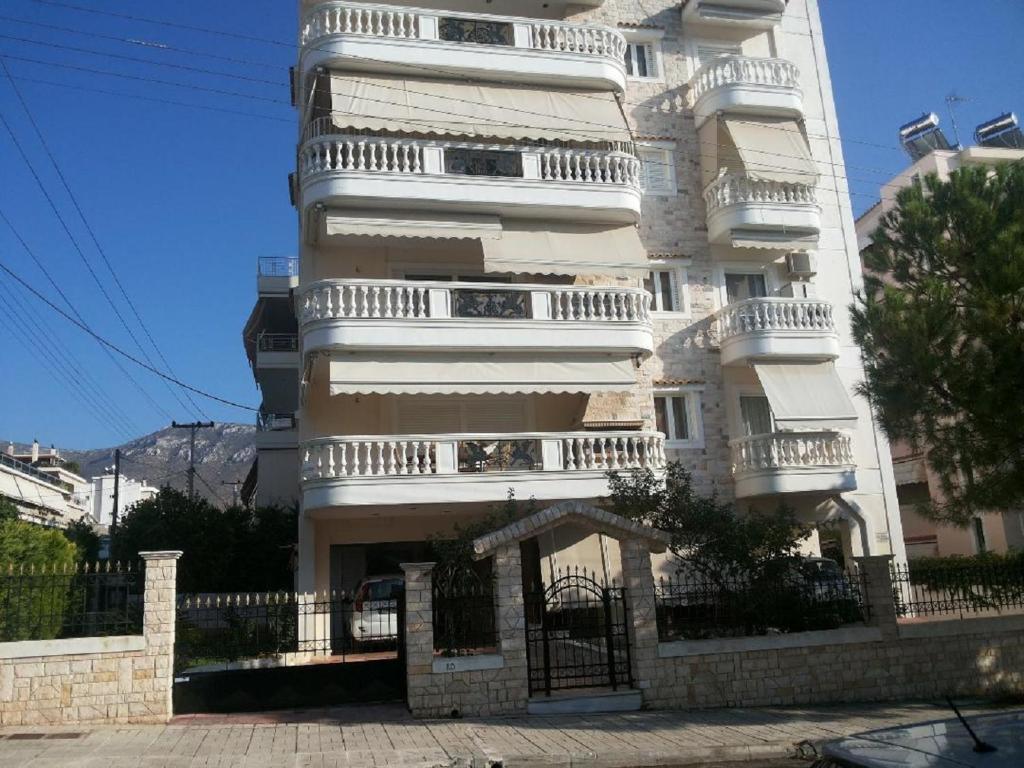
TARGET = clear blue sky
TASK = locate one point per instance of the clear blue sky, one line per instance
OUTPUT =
(183, 199)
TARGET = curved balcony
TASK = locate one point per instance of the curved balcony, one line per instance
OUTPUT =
(773, 327)
(761, 213)
(425, 469)
(793, 462)
(756, 14)
(414, 315)
(451, 176)
(383, 38)
(745, 85)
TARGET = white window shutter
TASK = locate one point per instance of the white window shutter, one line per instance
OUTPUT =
(656, 172)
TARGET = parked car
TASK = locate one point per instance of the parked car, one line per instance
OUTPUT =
(374, 616)
(933, 745)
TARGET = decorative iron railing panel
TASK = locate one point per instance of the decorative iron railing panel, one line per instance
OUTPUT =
(958, 588)
(699, 605)
(464, 611)
(70, 600)
(223, 631)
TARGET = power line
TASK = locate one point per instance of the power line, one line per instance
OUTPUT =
(74, 242)
(447, 73)
(113, 347)
(36, 349)
(95, 240)
(46, 353)
(434, 125)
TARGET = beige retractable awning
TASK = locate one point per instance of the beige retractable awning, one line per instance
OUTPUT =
(410, 224)
(451, 107)
(806, 396)
(772, 149)
(773, 240)
(548, 247)
(411, 374)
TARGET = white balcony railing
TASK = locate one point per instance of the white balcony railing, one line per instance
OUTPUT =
(413, 157)
(399, 300)
(776, 314)
(397, 23)
(732, 70)
(341, 458)
(791, 450)
(738, 189)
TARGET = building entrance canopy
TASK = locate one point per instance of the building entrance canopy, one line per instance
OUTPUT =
(452, 373)
(806, 396)
(459, 108)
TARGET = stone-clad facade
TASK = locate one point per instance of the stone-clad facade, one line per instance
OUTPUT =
(106, 679)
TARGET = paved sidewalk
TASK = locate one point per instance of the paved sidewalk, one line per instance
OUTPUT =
(386, 737)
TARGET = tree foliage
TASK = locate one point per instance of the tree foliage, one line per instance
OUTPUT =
(455, 552)
(229, 550)
(941, 326)
(31, 612)
(709, 534)
(81, 534)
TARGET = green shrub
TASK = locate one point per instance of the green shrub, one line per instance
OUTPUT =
(35, 580)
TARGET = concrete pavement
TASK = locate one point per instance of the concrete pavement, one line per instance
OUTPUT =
(387, 737)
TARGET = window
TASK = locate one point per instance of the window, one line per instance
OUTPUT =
(978, 526)
(677, 416)
(740, 286)
(755, 415)
(660, 285)
(667, 285)
(642, 60)
(657, 171)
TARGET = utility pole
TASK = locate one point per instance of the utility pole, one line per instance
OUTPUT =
(117, 486)
(193, 426)
(234, 490)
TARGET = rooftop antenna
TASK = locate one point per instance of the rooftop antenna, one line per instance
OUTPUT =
(951, 101)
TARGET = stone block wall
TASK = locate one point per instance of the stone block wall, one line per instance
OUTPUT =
(124, 679)
(492, 684)
(973, 661)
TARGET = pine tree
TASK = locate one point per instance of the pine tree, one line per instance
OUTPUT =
(941, 326)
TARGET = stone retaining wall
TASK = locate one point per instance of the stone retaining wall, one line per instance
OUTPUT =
(125, 679)
(888, 660)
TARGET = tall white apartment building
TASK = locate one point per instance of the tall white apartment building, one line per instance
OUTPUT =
(539, 240)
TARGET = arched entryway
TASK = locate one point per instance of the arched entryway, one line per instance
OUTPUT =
(582, 631)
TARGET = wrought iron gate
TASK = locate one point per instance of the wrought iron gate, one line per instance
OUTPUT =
(576, 635)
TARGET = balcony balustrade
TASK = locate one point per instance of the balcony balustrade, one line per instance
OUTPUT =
(742, 209)
(345, 471)
(793, 462)
(768, 327)
(276, 276)
(746, 85)
(393, 38)
(277, 350)
(396, 314)
(459, 176)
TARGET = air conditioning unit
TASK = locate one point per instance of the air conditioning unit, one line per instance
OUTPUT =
(798, 291)
(801, 265)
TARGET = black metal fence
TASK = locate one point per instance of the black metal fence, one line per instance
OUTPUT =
(958, 588)
(694, 606)
(464, 612)
(70, 600)
(224, 631)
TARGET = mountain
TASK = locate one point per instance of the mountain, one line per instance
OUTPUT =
(224, 453)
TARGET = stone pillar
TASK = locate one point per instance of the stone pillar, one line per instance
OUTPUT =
(419, 634)
(641, 616)
(158, 618)
(879, 594)
(511, 623)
